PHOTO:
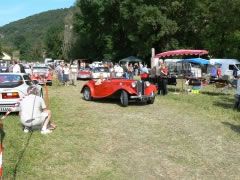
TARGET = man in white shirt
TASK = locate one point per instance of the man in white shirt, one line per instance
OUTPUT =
(16, 67)
(118, 70)
(73, 73)
(33, 112)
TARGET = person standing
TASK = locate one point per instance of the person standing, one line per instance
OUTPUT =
(73, 73)
(162, 80)
(219, 72)
(59, 71)
(66, 72)
(22, 69)
(130, 71)
(16, 67)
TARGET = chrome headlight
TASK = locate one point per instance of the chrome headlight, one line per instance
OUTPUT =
(147, 83)
(134, 84)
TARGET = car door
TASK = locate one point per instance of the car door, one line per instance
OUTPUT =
(104, 89)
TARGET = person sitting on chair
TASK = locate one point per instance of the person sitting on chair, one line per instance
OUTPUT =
(33, 112)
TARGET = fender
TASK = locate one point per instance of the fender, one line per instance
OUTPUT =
(90, 86)
(128, 89)
(150, 89)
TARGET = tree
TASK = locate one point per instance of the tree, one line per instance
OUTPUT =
(121, 28)
(1, 50)
(118, 29)
(54, 42)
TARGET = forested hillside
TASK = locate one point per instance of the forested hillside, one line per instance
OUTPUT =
(28, 35)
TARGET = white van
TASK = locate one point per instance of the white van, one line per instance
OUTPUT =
(227, 65)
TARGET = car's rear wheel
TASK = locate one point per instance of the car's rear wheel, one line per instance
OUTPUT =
(124, 98)
(87, 94)
(151, 101)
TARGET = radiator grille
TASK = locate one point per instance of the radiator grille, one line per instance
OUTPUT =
(140, 87)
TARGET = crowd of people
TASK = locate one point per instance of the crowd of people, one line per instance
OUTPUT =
(67, 73)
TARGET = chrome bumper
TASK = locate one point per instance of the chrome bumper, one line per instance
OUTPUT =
(8, 107)
(142, 97)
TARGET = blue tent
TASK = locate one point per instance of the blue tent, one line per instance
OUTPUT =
(196, 60)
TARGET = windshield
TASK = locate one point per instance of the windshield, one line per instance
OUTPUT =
(27, 80)
(10, 80)
(238, 66)
(101, 69)
(40, 69)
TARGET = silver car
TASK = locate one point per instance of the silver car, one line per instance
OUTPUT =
(13, 87)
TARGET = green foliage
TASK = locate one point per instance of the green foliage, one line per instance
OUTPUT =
(1, 50)
(118, 29)
(53, 42)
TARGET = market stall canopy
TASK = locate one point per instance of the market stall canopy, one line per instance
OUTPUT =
(130, 59)
(196, 61)
(181, 52)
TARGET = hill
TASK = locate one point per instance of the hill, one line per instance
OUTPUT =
(32, 29)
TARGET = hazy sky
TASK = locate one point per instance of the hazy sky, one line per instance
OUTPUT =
(12, 10)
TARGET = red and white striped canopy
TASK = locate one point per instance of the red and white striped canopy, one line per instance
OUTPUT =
(181, 52)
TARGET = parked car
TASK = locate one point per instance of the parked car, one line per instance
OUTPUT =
(125, 89)
(42, 74)
(13, 87)
(228, 66)
(28, 70)
(97, 71)
(84, 73)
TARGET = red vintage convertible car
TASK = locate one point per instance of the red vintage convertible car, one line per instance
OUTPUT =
(125, 89)
(42, 74)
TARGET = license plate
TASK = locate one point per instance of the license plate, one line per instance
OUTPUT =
(4, 109)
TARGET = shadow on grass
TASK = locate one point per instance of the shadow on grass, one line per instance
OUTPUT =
(117, 102)
(15, 171)
(214, 93)
(224, 104)
(235, 128)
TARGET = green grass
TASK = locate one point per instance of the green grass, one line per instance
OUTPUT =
(181, 136)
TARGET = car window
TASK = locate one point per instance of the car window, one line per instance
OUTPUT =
(10, 80)
(40, 69)
(28, 80)
(231, 67)
(101, 69)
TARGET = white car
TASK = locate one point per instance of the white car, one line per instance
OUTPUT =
(97, 71)
(27, 70)
(13, 87)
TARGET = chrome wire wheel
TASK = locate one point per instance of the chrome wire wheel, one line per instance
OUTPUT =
(87, 94)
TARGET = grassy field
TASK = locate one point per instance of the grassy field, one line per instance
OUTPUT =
(181, 136)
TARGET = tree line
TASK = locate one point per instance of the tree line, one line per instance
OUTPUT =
(119, 28)
(103, 29)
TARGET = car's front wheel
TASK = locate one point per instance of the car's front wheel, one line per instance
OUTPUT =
(151, 101)
(87, 94)
(124, 98)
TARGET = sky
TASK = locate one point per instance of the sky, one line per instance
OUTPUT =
(12, 10)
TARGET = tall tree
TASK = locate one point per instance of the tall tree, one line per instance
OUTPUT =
(1, 50)
(121, 28)
(54, 42)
